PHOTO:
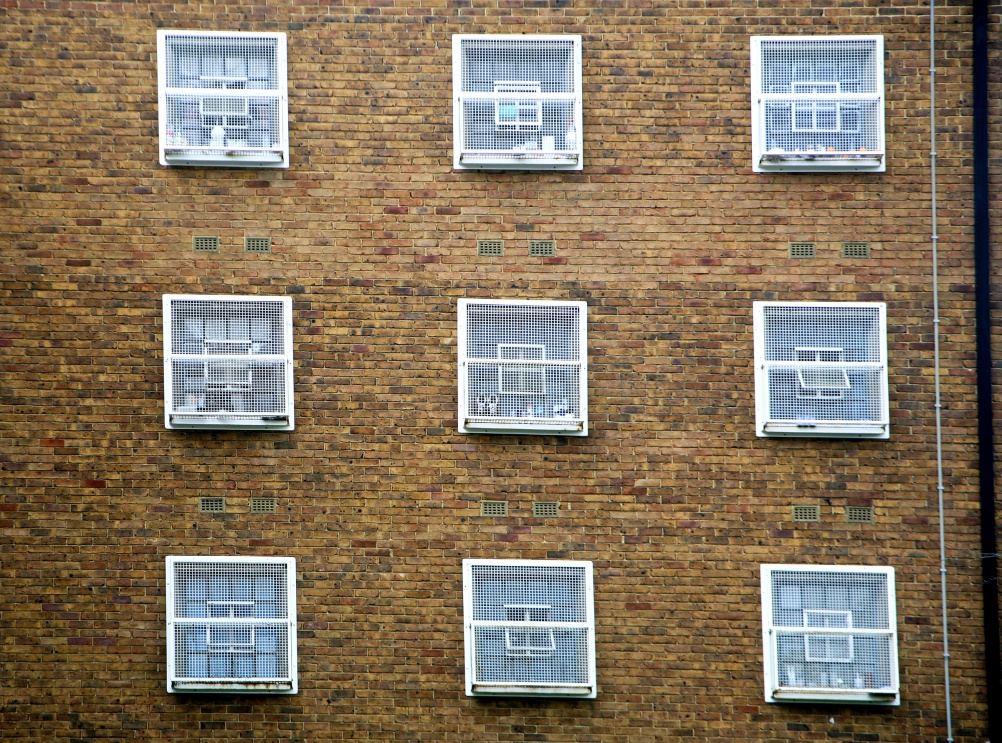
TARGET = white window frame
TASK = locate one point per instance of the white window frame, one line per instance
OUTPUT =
(288, 684)
(543, 628)
(805, 95)
(176, 150)
(792, 689)
(767, 425)
(229, 361)
(562, 425)
(529, 98)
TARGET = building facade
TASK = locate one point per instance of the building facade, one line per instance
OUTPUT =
(408, 304)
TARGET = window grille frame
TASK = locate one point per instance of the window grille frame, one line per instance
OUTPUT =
(176, 148)
(188, 416)
(812, 99)
(768, 424)
(287, 683)
(850, 690)
(519, 94)
(530, 630)
(566, 424)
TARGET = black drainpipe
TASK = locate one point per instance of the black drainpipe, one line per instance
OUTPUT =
(986, 445)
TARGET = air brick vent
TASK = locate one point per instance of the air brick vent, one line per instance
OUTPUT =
(490, 247)
(205, 243)
(803, 250)
(212, 505)
(806, 513)
(493, 508)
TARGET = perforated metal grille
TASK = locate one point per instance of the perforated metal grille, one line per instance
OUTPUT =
(223, 94)
(806, 513)
(490, 247)
(257, 244)
(212, 505)
(523, 362)
(205, 243)
(859, 514)
(803, 250)
(530, 624)
(493, 508)
(852, 650)
(517, 98)
(542, 248)
(824, 363)
(228, 357)
(230, 621)
(545, 509)
(263, 504)
(856, 249)
(821, 98)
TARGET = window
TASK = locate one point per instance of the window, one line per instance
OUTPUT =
(228, 362)
(829, 634)
(517, 102)
(821, 369)
(223, 99)
(522, 367)
(231, 624)
(818, 103)
(530, 628)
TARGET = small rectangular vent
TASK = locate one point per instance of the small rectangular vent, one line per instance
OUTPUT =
(490, 247)
(205, 243)
(257, 244)
(859, 514)
(542, 248)
(806, 513)
(856, 249)
(803, 250)
(545, 509)
(493, 508)
(212, 505)
(262, 504)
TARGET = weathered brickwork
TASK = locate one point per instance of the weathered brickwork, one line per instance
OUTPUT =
(668, 236)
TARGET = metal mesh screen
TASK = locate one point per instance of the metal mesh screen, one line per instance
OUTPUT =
(824, 362)
(821, 98)
(223, 93)
(524, 362)
(228, 357)
(228, 621)
(530, 624)
(517, 98)
(832, 630)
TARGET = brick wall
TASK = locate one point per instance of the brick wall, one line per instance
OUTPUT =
(666, 233)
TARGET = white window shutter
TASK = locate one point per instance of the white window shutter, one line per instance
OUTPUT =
(224, 99)
(821, 369)
(228, 362)
(818, 103)
(517, 102)
(530, 628)
(231, 625)
(523, 367)
(829, 634)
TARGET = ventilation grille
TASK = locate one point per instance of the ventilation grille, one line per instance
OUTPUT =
(806, 513)
(493, 508)
(832, 632)
(856, 249)
(212, 505)
(545, 509)
(859, 514)
(522, 364)
(257, 244)
(542, 248)
(529, 625)
(205, 244)
(262, 504)
(230, 623)
(490, 247)
(803, 250)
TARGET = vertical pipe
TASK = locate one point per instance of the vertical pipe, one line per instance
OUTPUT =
(986, 445)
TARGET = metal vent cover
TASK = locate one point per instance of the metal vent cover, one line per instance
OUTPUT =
(546, 509)
(257, 244)
(807, 513)
(212, 504)
(490, 247)
(530, 628)
(493, 508)
(263, 504)
(803, 249)
(859, 514)
(542, 248)
(856, 249)
(205, 243)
